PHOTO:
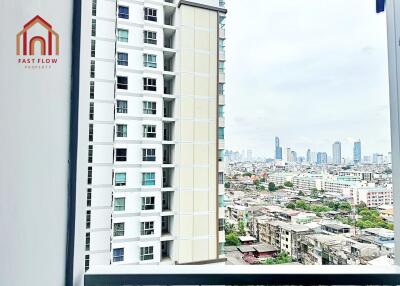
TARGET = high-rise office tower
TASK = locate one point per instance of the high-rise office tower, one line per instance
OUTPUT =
(337, 153)
(249, 155)
(278, 149)
(293, 156)
(357, 152)
(288, 154)
(308, 156)
(322, 158)
(155, 149)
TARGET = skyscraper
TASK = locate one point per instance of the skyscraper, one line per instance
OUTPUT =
(278, 149)
(357, 152)
(288, 155)
(155, 97)
(337, 153)
(308, 156)
(322, 158)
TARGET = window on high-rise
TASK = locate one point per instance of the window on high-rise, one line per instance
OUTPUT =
(149, 131)
(122, 130)
(119, 204)
(94, 7)
(221, 224)
(89, 197)
(222, 45)
(87, 262)
(221, 155)
(221, 111)
(147, 228)
(123, 12)
(90, 154)
(150, 37)
(148, 203)
(220, 178)
(221, 133)
(146, 253)
(122, 82)
(87, 241)
(90, 132)
(120, 179)
(149, 155)
(122, 59)
(93, 48)
(91, 110)
(122, 106)
(119, 229)
(150, 14)
(118, 254)
(121, 154)
(149, 84)
(91, 94)
(149, 107)
(221, 66)
(150, 61)
(93, 27)
(149, 179)
(89, 175)
(88, 218)
(122, 35)
(221, 89)
(92, 68)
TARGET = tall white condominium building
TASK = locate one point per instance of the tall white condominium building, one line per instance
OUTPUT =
(155, 169)
(337, 153)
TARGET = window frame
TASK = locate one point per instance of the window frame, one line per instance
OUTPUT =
(120, 38)
(148, 182)
(147, 60)
(123, 15)
(122, 109)
(150, 37)
(145, 205)
(149, 107)
(149, 14)
(145, 155)
(146, 231)
(147, 132)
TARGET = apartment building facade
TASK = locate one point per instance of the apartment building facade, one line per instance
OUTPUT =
(155, 144)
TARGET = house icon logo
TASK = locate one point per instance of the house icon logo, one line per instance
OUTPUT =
(37, 38)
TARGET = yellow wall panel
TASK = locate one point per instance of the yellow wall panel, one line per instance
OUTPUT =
(200, 201)
(200, 175)
(201, 155)
(201, 131)
(200, 250)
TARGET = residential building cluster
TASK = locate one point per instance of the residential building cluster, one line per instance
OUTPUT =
(289, 208)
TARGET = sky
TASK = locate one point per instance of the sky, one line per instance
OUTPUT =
(308, 71)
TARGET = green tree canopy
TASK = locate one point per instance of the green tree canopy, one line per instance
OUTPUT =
(271, 187)
(232, 239)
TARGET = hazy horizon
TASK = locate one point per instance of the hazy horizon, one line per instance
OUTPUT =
(310, 72)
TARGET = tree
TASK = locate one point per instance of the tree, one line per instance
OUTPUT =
(301, 193)
(281, 258)
(256, 182)
(241, 227)
(227, 185)
(280, 187)
(247, 174)
(232, 239)
(288, 184)
(271, 187)
(229, 228)
(291, 206)
(314, 193)
(361, 205)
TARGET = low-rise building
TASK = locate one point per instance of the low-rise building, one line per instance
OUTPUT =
(371, 196)
(307, 182)
(285, 236)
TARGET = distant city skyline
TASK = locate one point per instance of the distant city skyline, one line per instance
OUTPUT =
(313, 86)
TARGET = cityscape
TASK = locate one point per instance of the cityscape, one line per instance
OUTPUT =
(316, 209)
